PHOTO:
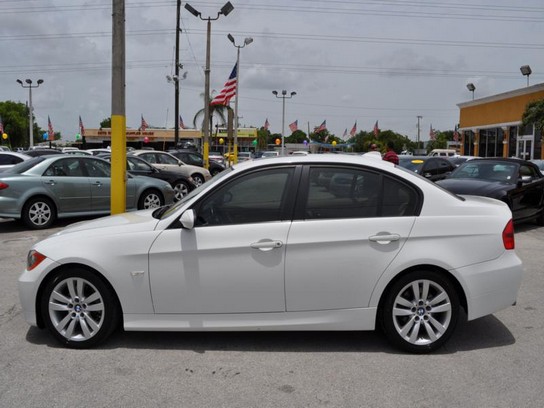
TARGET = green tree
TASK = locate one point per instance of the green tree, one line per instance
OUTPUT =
(106, 123)
(15, 121)
(262, 139)
(534, 114)
(298, 136)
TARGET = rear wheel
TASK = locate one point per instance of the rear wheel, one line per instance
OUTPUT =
(79, 309)
(420, 311)
(39, 213)
(150, 199)
(181, 189)
(198, 179)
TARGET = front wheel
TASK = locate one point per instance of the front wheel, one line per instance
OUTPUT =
(150, 199)
(181, 189)
(420, 311)
(79, 309)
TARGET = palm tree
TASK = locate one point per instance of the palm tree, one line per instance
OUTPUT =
(220, 111)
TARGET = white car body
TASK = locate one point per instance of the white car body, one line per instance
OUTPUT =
(9, 159)
(291, 274)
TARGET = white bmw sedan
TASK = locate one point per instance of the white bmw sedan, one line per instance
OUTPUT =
(318, 242)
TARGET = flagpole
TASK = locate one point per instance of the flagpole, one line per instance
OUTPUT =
(247, 41)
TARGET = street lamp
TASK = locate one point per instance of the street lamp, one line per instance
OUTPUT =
(471, 88)
(30, 111)
(283, 96)
(225, 10)
(526, 71)
(247, 41)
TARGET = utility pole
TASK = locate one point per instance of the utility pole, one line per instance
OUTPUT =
(418, 130)
(118, 119)
(176, 79)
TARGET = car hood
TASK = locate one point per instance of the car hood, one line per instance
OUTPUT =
(83, 239)
(475, 187)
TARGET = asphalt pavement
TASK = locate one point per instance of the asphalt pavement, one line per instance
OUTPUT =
(496, 361)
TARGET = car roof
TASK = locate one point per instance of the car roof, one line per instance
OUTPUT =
(17, 154)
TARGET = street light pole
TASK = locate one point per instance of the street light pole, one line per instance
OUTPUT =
(283, 96)
(247, 41)
(225, 10)
(30, 110)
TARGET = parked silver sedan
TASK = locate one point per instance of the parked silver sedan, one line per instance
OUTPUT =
(42, 189)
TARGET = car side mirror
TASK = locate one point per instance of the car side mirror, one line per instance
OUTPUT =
(187, 219)
(526, 179)
(180, 163)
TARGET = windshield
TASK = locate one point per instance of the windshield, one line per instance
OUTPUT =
(194, 193)
(412, 164)
(487, 170)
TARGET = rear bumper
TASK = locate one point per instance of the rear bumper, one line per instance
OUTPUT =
(492, 286)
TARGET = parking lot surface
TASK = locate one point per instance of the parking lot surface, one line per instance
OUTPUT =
(495, 361)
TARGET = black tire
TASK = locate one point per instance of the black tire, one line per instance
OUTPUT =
(540, 218)
(198, 179)
(79, 309)
(181, 189)
(420, 311)
(39, 213)
(150, 199)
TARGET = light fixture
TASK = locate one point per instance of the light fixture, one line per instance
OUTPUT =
(471, 88)
(526, 71)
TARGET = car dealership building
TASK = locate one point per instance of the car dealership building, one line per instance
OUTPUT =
(491, 126)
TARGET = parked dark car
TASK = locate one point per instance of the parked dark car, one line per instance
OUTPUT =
(196, 159)
(139, 167)
(41, 152)
(433, 168)
(517, 182)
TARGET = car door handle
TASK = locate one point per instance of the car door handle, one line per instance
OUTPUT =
(267, 245)
(97, 183)
(50, 182)
(384, 239)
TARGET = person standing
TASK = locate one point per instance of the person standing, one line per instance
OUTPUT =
(390, 154)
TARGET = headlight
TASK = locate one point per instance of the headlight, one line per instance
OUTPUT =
(33, 259)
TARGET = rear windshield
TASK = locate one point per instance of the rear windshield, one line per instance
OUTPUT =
(24, 165)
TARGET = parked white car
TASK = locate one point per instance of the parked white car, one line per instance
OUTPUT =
(9, 159)
(319, 242)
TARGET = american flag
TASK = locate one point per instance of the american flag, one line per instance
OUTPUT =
(376, 129)
(229, 90)
(81, 127)
(321, 127)
(266, 124)
(50, 131)
(345, 133)
(353, 130)
(456, 134)
(432, 133)
(181, 124)
(143, 125)
(294, 126)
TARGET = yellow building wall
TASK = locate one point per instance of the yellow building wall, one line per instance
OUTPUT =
(496, 112)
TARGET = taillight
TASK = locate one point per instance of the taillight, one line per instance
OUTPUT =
(3, 186)
(33, 259)
(508, 236)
